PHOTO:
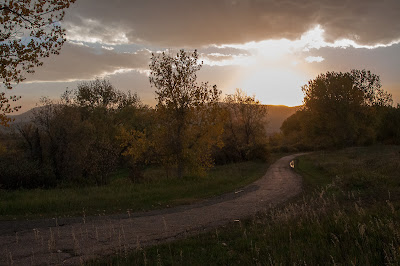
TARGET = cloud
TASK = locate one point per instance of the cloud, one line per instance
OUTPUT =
(110, 48)
(80, 62)
(311, 59)
(218, 57)
(224, 50)
(95, 31)
(190, 23)
(383, 61)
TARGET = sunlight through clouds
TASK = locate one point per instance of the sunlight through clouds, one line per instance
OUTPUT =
(275, 85)
(275, 70)
(275, 50)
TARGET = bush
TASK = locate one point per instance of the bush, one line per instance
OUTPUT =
(24, 174)
(258, 152)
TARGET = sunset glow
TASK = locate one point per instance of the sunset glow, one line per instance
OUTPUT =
(264, 55)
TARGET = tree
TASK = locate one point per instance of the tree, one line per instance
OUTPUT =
(370, 85)
(111, 112)
(295, 133)
(102, 94)
(389, 128)
(30, 31)
(77, 134)
(64, 138)
(5, 108)
(105, 109)
(339, 108)
(245, 129)
(336, 108)
(187, 112)
(138, 146)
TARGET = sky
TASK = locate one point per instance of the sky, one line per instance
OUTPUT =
(268, 48)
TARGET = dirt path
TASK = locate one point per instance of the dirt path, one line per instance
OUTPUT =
(74, 240)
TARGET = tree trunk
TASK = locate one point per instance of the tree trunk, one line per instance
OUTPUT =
(179, 144)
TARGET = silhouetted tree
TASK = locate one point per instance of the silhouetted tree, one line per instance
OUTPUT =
(106, 109)
(30, 133)
(187, 112)
(389, 127)
(295, 130)
(370, 85)
(339, 109)
(78, 133)
(100, 93)
(245, 135)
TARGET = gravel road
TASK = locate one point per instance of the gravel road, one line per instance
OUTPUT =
(71, 241)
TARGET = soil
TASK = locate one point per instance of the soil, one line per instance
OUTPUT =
(72, 241)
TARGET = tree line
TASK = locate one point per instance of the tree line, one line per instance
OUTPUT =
(95, 129)
(341, 110)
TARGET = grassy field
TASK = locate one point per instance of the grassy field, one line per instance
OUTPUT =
(349, 215)
(121, 195)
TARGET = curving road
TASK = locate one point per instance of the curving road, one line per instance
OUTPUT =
(71, 241)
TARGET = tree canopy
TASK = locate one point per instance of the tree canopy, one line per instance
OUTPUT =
(30, 31)
(187, 111)
(339, 109)
(245, 135)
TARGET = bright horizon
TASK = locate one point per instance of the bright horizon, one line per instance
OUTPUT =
(268, 52)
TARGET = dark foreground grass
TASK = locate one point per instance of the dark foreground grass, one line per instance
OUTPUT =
(348, 215)
(121, 195)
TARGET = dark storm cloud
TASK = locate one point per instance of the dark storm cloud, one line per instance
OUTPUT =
(196, 23)
(77, 62)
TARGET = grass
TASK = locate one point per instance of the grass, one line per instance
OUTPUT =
(349, 215)
(121, 195)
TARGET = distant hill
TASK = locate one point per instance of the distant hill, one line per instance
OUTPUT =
(23, 117)
(276, 115)
(19, 119)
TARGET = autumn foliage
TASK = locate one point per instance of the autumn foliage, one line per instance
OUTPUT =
(95, 129)
(30, 31)
(188, 118)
